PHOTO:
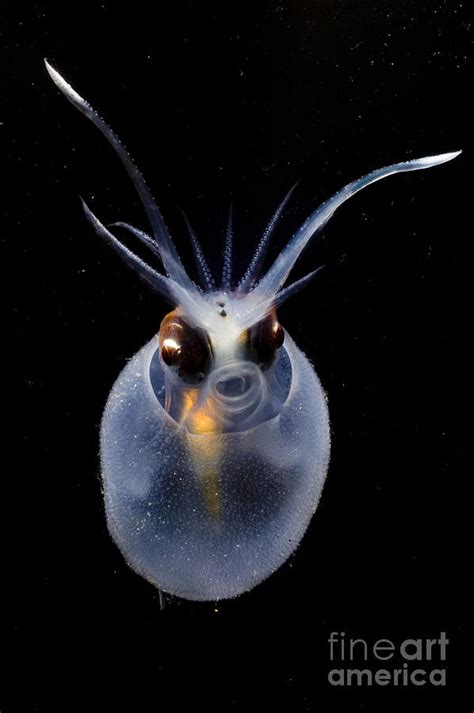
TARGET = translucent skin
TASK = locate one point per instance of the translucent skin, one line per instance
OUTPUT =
(210, 485)
(209, 535)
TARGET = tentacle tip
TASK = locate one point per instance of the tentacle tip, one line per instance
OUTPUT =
(65, 87)
(86, 209)
(449, 156)
(441, 158)
(55, 76)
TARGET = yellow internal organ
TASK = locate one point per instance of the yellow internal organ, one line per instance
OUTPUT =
(205, 448)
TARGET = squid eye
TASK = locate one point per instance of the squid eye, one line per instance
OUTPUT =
(266, 337)
(184, 349)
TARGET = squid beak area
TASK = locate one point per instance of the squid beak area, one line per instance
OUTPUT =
(205, 449)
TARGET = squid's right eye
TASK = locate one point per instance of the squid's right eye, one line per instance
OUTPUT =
(184, 349)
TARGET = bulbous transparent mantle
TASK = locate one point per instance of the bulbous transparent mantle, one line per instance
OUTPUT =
(207, 517)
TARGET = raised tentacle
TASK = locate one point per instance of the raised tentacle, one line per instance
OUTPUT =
(166, 286)
(295, 287)
(251, 274)
(140, 234)
(159, 282)
(201, 263)
(259, 309)
(169, 255)
(276, 276)
(228, 248)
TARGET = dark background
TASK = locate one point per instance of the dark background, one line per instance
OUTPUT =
(217, 100)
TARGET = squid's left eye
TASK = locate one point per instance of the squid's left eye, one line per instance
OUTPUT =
(265, 338)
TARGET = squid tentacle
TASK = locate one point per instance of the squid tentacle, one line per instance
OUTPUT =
(277, 275)
(170, 258)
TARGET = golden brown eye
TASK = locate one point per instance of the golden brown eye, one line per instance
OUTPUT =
(266, 338)
(184, 348)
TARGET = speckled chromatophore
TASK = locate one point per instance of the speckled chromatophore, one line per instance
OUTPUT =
(212, 474)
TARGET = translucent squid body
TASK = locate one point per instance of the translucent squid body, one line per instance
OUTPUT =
(215, 437)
